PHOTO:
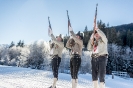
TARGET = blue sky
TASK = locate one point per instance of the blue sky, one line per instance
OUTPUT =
(28, 19)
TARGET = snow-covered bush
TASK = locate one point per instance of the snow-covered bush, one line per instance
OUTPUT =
(65, 61)
(85, 62)
(38, 53)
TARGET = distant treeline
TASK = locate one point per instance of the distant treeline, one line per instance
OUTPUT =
(120, 35)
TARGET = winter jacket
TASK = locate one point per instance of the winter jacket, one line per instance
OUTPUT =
(102, 44)
(58, 47)
(78, 44)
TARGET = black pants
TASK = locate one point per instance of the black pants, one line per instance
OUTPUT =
(74, 65)
(55, 66)
(99, 68)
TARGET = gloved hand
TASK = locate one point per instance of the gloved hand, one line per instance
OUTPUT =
(71, 37)
(70, 28)
(50, 31)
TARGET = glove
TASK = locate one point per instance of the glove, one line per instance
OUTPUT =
(70, 28)
(50, 31)
(71, 37)
(96, 28)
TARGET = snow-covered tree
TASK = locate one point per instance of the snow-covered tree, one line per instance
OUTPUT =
(4, 54)
(85, 62)
(38, 53)
(65, 61)
(22, 60)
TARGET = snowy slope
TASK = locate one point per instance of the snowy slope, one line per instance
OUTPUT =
(15, 77)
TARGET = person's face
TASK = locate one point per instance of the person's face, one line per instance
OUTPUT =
(58, 38)
(78, 36)
(97, 36)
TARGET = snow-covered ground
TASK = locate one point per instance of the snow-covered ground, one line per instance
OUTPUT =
(15, 77)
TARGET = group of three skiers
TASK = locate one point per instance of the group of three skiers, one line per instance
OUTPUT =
(97, 44)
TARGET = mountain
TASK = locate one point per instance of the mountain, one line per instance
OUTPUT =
(124, 27)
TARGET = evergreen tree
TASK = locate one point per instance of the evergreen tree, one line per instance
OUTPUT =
(102, 26)
(123, 37)
(12, 44)
(22, 44)
(112, 35)
(65, 40)
(107, 31)
(86, 36)
(131, 39)
(128, 38)
(19, 43)
(119, 39)
(108, 24)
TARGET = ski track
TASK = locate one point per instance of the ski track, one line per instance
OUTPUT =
(27, 78)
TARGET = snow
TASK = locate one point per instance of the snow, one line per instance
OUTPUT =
(16, 77)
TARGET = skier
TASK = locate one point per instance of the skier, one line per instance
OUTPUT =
(56, 53)
(75, 43)
(98, 45)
